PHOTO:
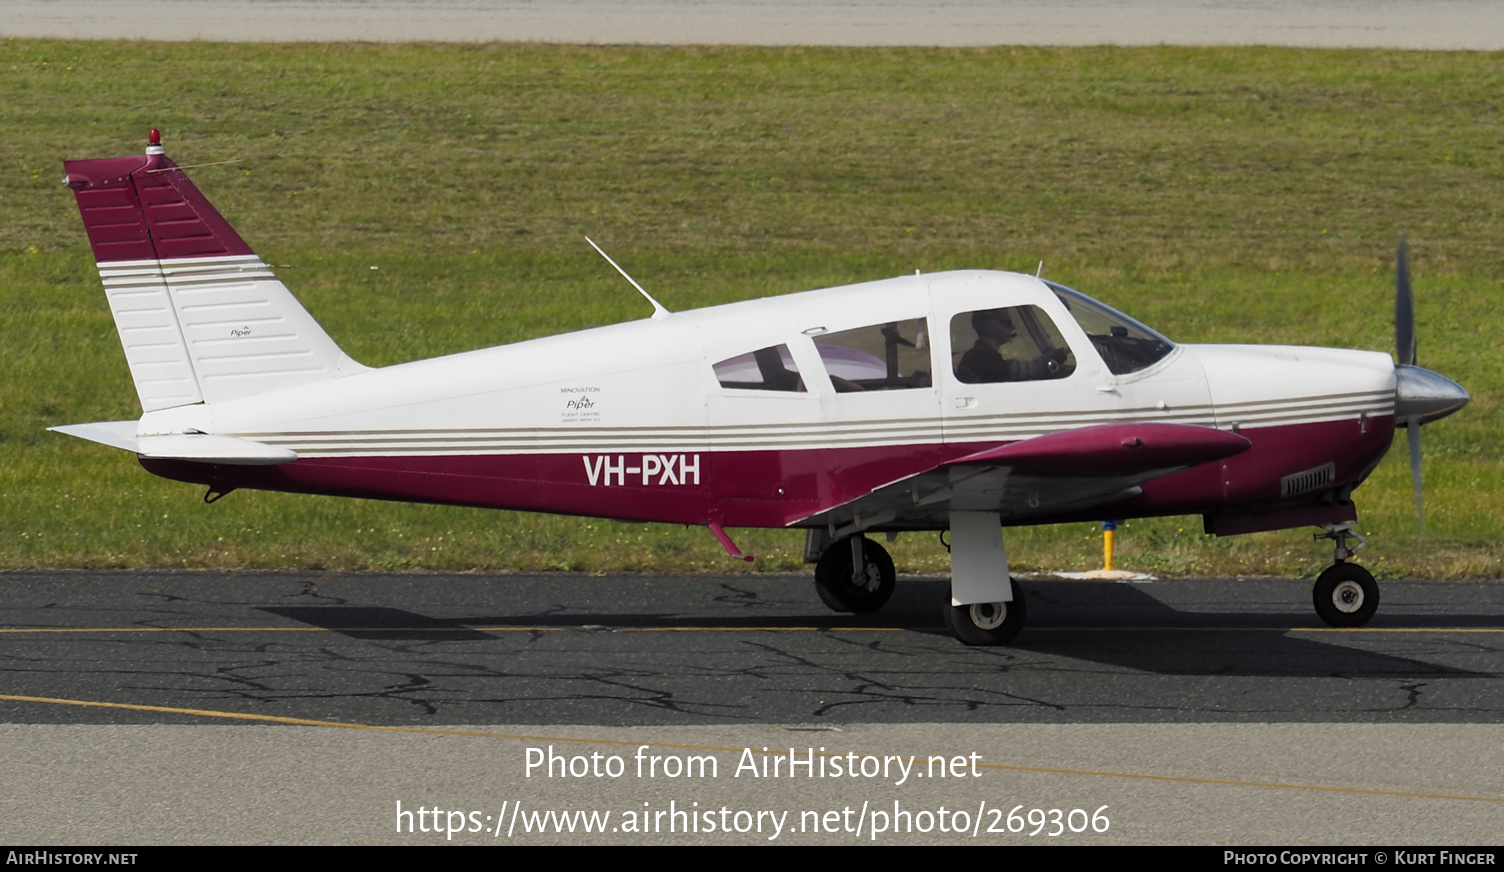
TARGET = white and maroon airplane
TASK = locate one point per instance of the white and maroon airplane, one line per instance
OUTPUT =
(963, 401)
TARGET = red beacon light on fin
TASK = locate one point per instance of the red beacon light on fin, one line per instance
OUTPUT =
(154, 142)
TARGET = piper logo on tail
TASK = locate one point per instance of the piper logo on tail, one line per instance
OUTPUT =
(654, 469)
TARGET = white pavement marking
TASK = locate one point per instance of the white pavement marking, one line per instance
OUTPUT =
(1436, 24)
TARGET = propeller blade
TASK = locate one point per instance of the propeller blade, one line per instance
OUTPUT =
(1404, 308)
(1420, 512)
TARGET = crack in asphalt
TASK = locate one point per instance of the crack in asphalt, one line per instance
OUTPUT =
(310, 590)
(428, 666)
(743, 598)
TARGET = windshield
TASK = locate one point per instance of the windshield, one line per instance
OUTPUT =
(1125, 345)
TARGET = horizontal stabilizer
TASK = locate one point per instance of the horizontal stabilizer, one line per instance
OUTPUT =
(116, 434)
(196, 447)
(1120, 449)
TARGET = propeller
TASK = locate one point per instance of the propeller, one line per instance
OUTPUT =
(1404, 308)
(1413, 429)
(1421, 396)
(1404, 355)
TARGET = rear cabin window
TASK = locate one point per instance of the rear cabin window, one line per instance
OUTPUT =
(766, 369)
(1012, 344)
(883, 357)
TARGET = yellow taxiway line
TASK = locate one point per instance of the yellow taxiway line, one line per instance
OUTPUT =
(552, 628)
(556, 628)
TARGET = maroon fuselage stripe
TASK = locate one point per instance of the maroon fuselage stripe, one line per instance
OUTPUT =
(773, 488)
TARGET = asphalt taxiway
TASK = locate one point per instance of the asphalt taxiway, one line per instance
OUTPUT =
(639, 651)
(172, 707)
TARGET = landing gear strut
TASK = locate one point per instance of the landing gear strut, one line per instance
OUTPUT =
(1345, 594)
(855, 574)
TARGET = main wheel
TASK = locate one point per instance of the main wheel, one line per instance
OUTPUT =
(987, 624)
(864, 591)
(1345, 595)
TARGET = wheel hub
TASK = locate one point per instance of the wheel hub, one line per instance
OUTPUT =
(1347, 597)
(989, 616)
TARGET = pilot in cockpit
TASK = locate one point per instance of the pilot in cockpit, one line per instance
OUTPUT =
(984, 361)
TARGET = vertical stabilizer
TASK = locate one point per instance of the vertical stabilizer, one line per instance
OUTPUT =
(201, 318)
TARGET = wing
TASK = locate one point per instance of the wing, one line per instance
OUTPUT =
(1044, 476)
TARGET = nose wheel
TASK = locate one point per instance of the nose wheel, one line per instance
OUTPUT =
(855, 575)
(1345, 594)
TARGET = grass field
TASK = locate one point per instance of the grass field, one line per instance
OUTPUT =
(1220, 195)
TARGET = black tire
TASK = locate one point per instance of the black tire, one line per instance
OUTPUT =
(837, 589)
(988, 624)
(1345, 595)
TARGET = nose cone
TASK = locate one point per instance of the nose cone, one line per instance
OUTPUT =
(1424, 396)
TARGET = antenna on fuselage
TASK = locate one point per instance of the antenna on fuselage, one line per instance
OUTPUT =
(658, 310)
(1040, 271)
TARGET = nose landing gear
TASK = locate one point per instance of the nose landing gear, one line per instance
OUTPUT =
(1345, 594)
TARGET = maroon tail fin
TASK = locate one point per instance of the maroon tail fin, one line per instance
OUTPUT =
(201, 318)
(142, 208)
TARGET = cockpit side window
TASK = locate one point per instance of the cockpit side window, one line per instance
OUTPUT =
(1012, 344)
(883, 357)
(766, 369)
(1125, 345)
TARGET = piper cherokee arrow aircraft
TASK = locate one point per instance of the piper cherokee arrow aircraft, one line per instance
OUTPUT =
(963, 402)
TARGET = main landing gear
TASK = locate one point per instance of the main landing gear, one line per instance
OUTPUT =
(1345, 594)
(855, 574)
(988, 624)
(985, 605)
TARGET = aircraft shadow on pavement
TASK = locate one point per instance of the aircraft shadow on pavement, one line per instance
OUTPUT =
(1119, 625)
(1122, 625)
(380, 623)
